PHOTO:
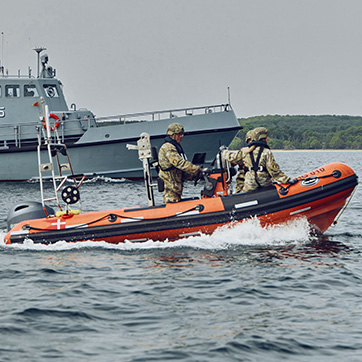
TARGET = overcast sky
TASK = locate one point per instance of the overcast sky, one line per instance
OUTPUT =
(125, 56)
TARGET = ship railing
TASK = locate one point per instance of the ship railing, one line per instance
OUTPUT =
(5, 75)
(26, 133)
(159, 115)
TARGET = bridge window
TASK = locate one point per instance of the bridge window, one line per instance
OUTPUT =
(51, 90)
(30, 91)
(12, 90)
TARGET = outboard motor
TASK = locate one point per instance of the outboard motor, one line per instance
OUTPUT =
(28, 210)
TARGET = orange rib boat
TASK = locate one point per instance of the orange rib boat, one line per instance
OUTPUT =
(318, 196)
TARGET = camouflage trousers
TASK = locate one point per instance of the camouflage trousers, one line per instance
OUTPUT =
(250, 182)
(239, 181)
(170, 196)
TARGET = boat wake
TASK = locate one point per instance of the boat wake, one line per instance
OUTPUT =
(104, 179)
(229, 236)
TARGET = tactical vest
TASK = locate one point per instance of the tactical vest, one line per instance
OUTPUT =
(255, 163)
(178, 149)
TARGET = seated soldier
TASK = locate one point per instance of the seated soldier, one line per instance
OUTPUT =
(259, 164)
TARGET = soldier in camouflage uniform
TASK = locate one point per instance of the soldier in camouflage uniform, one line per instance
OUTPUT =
(236, 158)
(259, 163)
(174, 168)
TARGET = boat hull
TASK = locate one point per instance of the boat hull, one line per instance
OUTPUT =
(318, 196)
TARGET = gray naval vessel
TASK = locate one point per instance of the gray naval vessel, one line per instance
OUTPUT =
(96, 146)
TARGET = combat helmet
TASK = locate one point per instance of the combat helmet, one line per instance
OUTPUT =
(175, 128)
(260, 133)
(250, 136)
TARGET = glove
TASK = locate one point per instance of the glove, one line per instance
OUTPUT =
(205, 171)
(293, 181)
(198, 175)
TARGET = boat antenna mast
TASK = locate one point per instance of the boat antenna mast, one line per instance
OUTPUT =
(2, 70)
(39, 50)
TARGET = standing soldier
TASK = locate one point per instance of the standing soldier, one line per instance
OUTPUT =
(259, 163)
(174, 168)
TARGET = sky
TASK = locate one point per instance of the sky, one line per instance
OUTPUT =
(125, 56)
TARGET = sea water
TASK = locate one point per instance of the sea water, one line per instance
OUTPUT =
(246, 293)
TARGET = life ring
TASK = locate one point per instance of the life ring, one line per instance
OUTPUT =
(57, 121)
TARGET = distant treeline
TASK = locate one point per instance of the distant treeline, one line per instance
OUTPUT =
(305, 132)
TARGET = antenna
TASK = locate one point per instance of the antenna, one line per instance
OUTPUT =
(2, 53)
(29, 48)
(229, 95)
(39, 50)
(29, 68)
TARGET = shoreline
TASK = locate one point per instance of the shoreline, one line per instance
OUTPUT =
(317, 150)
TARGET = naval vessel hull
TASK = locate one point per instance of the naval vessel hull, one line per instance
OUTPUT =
(101, 151)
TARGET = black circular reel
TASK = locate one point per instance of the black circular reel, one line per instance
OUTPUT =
(70, 195)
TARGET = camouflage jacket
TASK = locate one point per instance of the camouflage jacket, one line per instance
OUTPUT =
(235, 157)
(269, 170)
(174, 168)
